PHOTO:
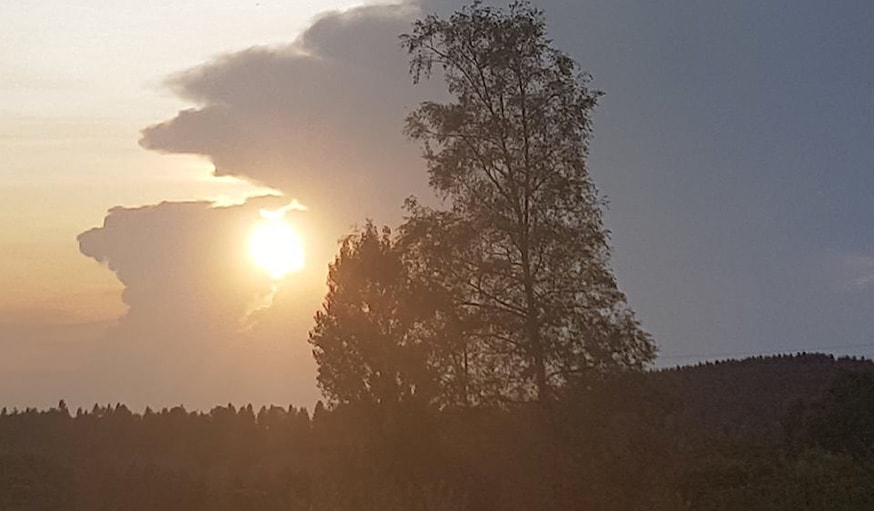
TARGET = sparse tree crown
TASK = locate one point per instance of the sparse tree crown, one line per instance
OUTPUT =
(522, 243)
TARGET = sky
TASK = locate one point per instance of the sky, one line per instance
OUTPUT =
(138, 144)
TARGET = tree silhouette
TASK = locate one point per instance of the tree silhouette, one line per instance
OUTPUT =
(522, 246)
(368, 340)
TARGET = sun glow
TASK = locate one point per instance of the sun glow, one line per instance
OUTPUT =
(274, 245)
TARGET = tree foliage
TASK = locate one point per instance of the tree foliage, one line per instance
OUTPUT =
(522, 246)
(843, 420)
(368, 340)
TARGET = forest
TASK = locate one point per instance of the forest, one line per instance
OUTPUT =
(785, 432)
(481, 355)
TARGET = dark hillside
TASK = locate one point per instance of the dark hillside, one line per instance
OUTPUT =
(752, 394)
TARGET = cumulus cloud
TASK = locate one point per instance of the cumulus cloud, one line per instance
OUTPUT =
(321, 118)
(189, 288)
(183, 265)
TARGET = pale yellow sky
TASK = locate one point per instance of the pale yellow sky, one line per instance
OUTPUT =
(79, 81)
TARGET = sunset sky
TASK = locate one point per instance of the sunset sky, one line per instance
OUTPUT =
(735, 144)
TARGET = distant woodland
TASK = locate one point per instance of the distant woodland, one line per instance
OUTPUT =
(779, 433)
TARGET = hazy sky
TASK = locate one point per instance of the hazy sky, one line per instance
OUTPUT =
(734, 144)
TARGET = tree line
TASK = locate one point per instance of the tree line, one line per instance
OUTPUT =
(688, 438)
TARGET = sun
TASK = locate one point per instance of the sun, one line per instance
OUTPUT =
(275, 247)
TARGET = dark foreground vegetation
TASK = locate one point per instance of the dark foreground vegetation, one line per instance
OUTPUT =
(774, 433)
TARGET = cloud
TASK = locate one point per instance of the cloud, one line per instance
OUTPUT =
(320, 119)
(189, 287)
(182, 264)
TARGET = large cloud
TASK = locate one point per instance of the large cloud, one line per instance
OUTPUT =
(193, 329)
(183, 266)
(321, 118)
